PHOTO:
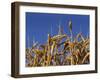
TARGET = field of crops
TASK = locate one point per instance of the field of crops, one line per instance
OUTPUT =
(60, 49)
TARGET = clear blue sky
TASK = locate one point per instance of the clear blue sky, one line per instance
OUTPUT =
(38, 25)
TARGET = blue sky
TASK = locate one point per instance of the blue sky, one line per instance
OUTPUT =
(38, 25)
